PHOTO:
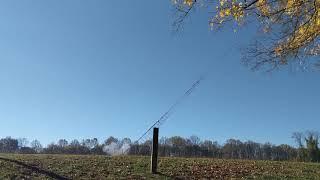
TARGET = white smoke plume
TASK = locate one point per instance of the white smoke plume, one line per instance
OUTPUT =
(115, 149)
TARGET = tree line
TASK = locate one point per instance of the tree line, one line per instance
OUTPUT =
(307, 148)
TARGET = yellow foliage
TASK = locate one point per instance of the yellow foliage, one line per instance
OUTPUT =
(297, 22)
(188, 2)
(263, 6)
(221, 13)
(227, 12)
(222, 2)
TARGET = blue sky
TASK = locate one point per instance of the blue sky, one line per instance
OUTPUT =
(84, 69)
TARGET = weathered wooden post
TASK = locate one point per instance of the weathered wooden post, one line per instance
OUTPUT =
(154, 155)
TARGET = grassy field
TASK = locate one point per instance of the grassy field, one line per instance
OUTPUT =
(131, 167)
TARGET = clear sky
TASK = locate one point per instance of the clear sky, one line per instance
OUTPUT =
(84, 69)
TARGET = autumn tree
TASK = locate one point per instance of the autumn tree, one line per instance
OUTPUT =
(312, 142)
(309, 149)
(291, 28)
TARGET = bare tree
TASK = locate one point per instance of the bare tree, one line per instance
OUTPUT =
(23, 142)
(298, 138)
(110, 140)
(36, 145)
(195, 140)
(62, 143)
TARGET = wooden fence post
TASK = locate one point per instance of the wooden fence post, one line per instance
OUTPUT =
(154, 155)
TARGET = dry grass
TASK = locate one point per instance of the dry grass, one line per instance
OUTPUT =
(134, 167)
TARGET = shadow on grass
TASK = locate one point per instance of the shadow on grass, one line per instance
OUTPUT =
(36, 169)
